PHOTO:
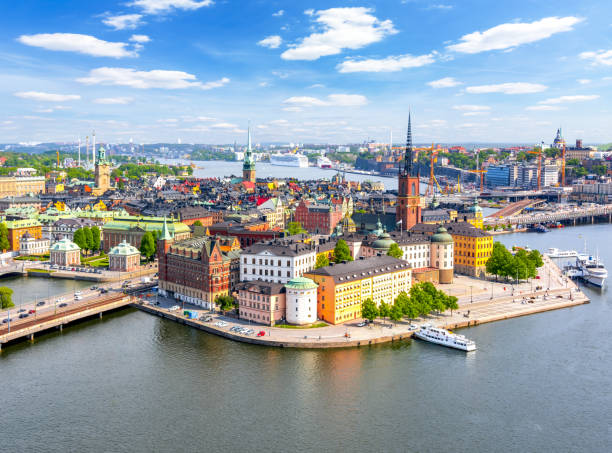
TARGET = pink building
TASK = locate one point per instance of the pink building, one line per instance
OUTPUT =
(261, 302)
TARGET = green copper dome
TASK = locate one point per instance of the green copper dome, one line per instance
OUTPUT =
(442, 236)
(301, 283)
(475, 208)
(383, 243)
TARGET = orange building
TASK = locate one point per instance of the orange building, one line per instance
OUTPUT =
(17, 228)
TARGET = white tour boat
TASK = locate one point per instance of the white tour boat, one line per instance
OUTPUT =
(444, 337)
(593, 269)
(289, 160)
(554, 252)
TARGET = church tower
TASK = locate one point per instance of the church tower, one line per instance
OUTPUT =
(408, 207)
(102, 173)
(248, 167)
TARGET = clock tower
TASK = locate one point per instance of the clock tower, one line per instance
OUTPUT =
(409, 203)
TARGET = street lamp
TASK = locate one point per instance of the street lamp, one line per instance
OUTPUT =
(471, 297)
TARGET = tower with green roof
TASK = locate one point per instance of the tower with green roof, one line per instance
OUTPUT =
(248, 166)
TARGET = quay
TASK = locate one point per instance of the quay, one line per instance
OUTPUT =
(566, 216)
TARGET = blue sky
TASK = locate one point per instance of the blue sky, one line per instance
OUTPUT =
(328, 72)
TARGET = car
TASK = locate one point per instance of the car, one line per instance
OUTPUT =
(63, 305)
(537, 277)
(31, 312)
(103, 291)
(5, 320)
(23, 315)
(21, 310)
(78, 297)
(249, 332)
(174, 308)
(40, 304)
(93, 288)
(413, 327)
(206, 318)
(77, 293)
(362, 324)
(261, 333)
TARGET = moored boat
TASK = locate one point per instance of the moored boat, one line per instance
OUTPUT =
(444, 337)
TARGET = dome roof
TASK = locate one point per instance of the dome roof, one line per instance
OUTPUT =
(442, 236)
(384, 242)
(301, 283)
(124, 249)
(65, 245)
(475, 208)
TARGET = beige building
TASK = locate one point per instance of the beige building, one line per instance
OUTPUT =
(14, 186)
(65, 253)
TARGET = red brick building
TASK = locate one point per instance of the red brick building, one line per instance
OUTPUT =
(189, 215)
(244, 235)
(318, 218)
(409, 204)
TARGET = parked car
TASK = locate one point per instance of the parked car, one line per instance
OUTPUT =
(174, 308)
(206, 318)
(362, 324)
(32, 311)
(41, 303)
(6, 320)
(78, 297)
(63, 305)
(261, 333)
(21, 310)
(23, 315)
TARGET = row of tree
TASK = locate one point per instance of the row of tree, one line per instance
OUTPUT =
(423, 299)
(4, 242)
(521, 265)
(88, 239)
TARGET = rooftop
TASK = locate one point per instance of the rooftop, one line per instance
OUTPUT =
(361, 268)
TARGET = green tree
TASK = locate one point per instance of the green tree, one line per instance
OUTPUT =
(322, 261)
(451, 303)
(79, 239)
(147, 246)
(225, 302)
(396, 313)
(342, 252)
(6, 300)
(197, 223)
(88, 238)
(120, 184)
(369, 310)
(536, 257)
(295, 228)
(95, 234)
(384, 310)
(395, 251)
(4, 242)
(500, 263)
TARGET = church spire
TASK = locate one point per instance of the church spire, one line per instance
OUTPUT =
(408, 151)
(165, 233)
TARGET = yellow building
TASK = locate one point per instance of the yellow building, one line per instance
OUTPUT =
(16, 186)
(343, 287)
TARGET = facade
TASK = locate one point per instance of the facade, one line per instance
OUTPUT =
(550, 175)
(343, 287)
(498, 176)
(409, 203)
(274, 211)
(65, 253)
(20, 202)
(301, 301)
(193, 270)
(31, 246)
(527, 176)
(248, 166)
(65, 228)
(124, 258)
(102, 172)
(318, 218)
(18, 186)
(246, 236)
(277, 261)
(190, 214)
(18, 228)
(261, 302)
(131, 229)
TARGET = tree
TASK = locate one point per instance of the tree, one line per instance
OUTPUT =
(451, 303)
(342, 252)
(120, 184)
(197, 223)
(79, 239)
(384, 310)
(536, 257)
(395, 251)
(369, 310)
(322, 261)
(396, 312)
(95, 234)
(225, 302)
(147, 245)
(88, 238)
(6, 300)
(4, 242)
(500, 262)
(295, 228)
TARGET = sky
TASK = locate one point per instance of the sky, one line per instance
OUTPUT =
(318, 72)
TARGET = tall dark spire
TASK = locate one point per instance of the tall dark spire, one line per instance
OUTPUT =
(408, 151)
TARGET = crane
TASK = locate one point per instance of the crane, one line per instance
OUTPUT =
(539, 154)
(482, 172)
(433, 158)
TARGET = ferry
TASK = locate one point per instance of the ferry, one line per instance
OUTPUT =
(588, 268)
(289, 160)
(554, 252)
(444, 337)
(324, 162)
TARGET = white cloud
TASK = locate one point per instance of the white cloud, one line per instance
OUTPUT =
(441, 7)
(113, 101)
(280, 75)
(508, 88)
(475, 113)
(168, 120)
(224, 126)
(603, 57)
(140, 38)
(317, 85)
(583, 81)
(47, 97)
(72, 42)
(157, 78)
(165, 6)
(471, 108)
(292, 109)
(446, 82)
(510, 35)
(340, 28)
(574, 98)
(544, 108)
(264, 84)
(333, 100)
(388, 64)
(123, 21)
(279, 13)
(271, 42)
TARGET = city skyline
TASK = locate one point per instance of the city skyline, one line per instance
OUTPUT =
(198, 70)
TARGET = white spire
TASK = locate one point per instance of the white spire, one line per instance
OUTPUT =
(79, 151)
(249, 138)
(93, 149)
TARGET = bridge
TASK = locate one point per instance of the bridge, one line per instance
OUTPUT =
(516, 207)
(27, 327)
(13, 269)
(569, 216)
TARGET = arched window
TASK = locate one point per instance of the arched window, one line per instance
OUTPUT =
(413, 189)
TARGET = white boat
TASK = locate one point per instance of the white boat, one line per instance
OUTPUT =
(554, 252)
(289, 160)
(593, 269)
(324, 162)
(444, 337)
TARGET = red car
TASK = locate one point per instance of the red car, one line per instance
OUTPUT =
(31, 312)
(261, 333)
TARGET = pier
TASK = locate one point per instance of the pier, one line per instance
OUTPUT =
(567, 216)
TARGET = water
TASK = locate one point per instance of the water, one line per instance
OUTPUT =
(28, 289)
(138, 383)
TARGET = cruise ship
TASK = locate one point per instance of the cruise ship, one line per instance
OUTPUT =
(444, 337)
(554, 252)
(588, 268)
(289, 160)
(324, 162)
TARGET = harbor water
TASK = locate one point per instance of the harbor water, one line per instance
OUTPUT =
(135, 382)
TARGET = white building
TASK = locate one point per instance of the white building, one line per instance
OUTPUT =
(550, 175)
(29, 245)
(277, 261)
(301, 301)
